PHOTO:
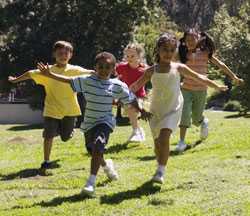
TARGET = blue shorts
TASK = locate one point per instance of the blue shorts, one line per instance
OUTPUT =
(97, 137)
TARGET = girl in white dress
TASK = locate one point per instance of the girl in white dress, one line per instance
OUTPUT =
(166, 101)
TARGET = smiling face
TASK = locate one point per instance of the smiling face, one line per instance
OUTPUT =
(132, 57)
(62, 55)
(167, 52)
(104, 68)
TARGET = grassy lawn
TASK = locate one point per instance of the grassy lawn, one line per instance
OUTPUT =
(212, 178)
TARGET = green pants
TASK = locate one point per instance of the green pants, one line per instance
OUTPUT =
(193, 107)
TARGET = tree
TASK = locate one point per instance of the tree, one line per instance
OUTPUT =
(232, 38)
(148, 31)
(29, 28)
(33, 26)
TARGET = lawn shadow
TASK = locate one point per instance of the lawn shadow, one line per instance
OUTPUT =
(145, 189)
(189, 147)
(59, 200)
(119, 147)
(56, 201)
(237, 116)
(146, 158)
(28, 173)
(25, 127)
(103, 183)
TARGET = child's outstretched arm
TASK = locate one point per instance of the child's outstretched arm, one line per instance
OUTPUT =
(142, 80)
(186, 71)
(225, 69)
(46, 72)
(23, 77)
(145, 115)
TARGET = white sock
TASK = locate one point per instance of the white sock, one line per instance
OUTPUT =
(161, 169)
(92, 179)
(47, 161)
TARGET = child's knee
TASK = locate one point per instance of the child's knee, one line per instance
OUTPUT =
(165, 133)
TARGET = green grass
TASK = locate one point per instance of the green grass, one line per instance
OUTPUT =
(213, 178)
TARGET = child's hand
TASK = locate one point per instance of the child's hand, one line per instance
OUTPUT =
(222, 88)
(238, 81)
(11, 79)
(43, 68)
(146, 116)
(132, 88)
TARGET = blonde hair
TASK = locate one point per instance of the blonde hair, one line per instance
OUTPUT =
(139, 49)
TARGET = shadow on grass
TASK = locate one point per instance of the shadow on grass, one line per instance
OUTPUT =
(25, 127)
(56, 201)
(189, 147)
(237, 116)
(146, 158)
(146, 189)
(59, 200)
(119, 147)
(27, 173)
(104, 183)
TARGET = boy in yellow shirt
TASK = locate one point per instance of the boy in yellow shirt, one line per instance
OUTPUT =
(61, 106)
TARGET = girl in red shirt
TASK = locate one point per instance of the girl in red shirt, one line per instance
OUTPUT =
(130, 71)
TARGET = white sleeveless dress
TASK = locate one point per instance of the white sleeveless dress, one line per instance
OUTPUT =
(166, 100)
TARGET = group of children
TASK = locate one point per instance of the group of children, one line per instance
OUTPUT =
(168, 108)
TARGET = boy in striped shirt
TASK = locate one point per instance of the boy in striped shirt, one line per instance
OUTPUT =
(99, 91)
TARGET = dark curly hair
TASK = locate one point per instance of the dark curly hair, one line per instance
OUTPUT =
(205, 43)
(164, 38)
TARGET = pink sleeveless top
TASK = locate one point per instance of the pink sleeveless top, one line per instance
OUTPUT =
(197, 62)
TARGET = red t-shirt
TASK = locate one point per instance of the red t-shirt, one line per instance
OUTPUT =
(129, 75)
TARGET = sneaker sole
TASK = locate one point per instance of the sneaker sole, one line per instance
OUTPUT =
(88, 193)
(157, 181)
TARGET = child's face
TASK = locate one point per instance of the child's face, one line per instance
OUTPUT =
(104, 68)
(62, 55)
(132, 57)
(167, 52)
(191, 41)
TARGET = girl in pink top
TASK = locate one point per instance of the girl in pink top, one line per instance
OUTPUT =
(196, 50)
(129, 72)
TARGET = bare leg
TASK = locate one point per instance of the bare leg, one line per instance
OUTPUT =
(157, 149)
(183, 131)
(133, 114)
(163, 139)
(96, 161)
(47, 146)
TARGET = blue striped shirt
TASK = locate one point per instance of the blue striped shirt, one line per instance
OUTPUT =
(99, 95)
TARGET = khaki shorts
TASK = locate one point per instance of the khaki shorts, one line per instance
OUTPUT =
(193, 107)
(63, 127)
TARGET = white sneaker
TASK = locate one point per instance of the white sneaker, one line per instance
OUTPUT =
(158, 178)
(89, 189)
(110, 170)
(204, 129)
(137, 135)
(181, 146)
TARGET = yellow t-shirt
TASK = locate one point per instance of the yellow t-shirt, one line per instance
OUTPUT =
(60, 100)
